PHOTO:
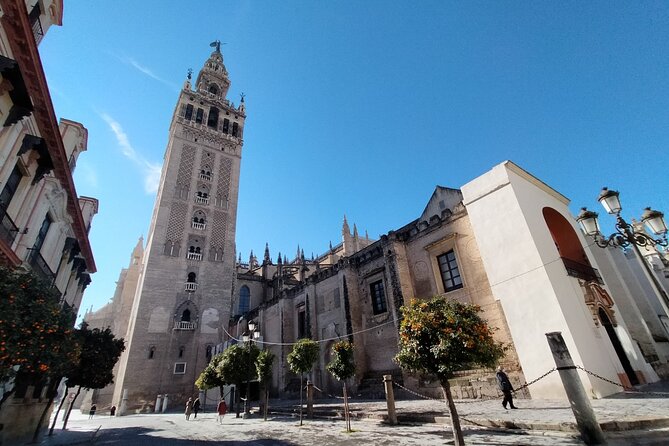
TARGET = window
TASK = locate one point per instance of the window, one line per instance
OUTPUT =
(152, 352)
(301, 323)
(212, 121)
(39, 241)
(448, 268)
(189, 112)
(185, 316)
(182, 349)
(191, 277)
(179, 368)
(235, 129)
(10, 188)
(209, 352)
(378, 297)
(226, 125)
(244, 299)
(213, 89)
(199, 115)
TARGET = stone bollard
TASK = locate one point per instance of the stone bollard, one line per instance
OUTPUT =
(586, 421)
(310, 399)
(159, 404)
(124, 403)
(165, 400)
(390, 399)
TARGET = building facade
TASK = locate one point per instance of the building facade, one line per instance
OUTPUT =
(185, 286)
(44, 225)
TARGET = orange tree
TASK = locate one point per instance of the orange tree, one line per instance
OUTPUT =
(442, 336)
(342, 367)
(36, 334)
(301, 360)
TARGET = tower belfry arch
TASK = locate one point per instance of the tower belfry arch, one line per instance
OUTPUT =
(195, 215)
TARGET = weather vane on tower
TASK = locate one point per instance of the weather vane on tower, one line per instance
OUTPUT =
(217, 44)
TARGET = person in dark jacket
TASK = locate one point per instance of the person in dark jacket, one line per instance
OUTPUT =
(506, 387)
(196, 407)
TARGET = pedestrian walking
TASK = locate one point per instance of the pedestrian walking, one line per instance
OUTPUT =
(189, 408)
(221, 409)
(92, 411)
(506, 387)
(196, 407)
(112, 411)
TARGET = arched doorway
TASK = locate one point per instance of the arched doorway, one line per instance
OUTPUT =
(618, 347)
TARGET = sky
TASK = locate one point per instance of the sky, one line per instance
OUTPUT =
(362, 108)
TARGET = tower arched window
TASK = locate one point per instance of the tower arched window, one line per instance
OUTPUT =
(244, 299)
(185, 315)
(152, 352)
(191, 277)
(226, 125)
(199, 115)
(189, 112)
(212, 121)
(182, 349)
(213, 89)
(199, 220)
(235, 129)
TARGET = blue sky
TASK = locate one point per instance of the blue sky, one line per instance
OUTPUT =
(362, 108)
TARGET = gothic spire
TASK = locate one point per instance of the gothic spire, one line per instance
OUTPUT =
(267, 259)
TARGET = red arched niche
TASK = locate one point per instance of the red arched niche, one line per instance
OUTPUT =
(564, 236)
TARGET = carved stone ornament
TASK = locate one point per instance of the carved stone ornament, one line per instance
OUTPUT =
(597, 297)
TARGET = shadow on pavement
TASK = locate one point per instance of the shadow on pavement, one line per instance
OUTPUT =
(141, 436)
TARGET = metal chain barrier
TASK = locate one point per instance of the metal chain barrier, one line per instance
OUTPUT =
(535, 380)
(329, 394)
(627, 389)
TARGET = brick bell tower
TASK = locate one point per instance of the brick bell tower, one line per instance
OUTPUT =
(184, 292)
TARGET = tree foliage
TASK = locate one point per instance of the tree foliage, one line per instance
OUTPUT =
(36, 334)
(209, 378)
(237, 364)
(303, 356)
(442, 336)
(342, 365)
(100, 350)
(264, 363)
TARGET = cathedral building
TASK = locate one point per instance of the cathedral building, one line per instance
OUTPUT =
(184, 290)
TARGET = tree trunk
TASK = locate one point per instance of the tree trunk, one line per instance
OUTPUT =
(6, 395)
(69, 409)
(62, 401)
(347, 414)
(455, 419)
(266, 402)
(52, 395)
(237, 399)
(301, 381)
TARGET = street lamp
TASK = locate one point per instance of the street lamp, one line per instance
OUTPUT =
(626, 235)
(248, 339)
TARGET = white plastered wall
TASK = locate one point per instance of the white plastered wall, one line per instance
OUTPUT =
(528, 277)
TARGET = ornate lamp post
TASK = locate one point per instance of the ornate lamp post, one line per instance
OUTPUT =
(626, 235)
(248, 339)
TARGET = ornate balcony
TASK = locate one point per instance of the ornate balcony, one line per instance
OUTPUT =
(194, 256)
(183, 325)
(582, 271)
(204, 176)
(202, 200)
(8, 229)
(200, 226)
(191, 286)
(40, 267)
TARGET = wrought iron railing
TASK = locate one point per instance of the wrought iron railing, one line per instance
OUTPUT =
(191, 286)
(200, 226)
(35, 23)
(582, 271)
(202, 200)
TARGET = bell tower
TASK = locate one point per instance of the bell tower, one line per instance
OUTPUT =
(184, 293)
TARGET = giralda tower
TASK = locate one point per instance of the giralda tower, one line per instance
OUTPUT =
(183, 296)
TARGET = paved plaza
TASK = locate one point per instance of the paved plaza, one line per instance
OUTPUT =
(628, 419)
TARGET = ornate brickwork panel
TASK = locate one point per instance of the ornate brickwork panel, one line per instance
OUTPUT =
(186, 166)
(223, 187)
(175, 227)
(218, 232)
